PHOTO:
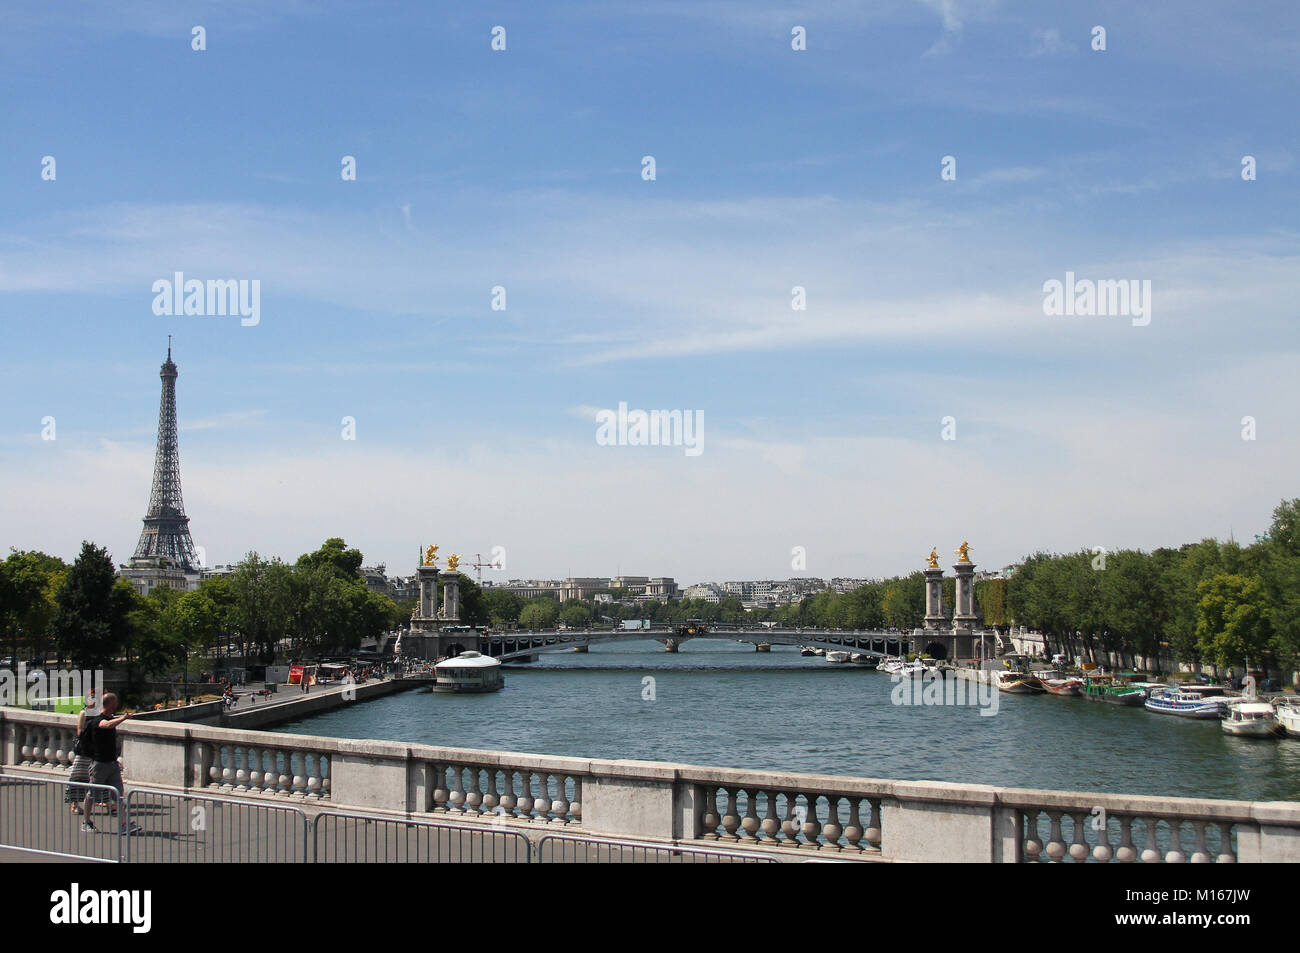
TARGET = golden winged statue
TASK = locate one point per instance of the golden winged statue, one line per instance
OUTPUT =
(932, 561)
(431, 556)
(963, 551)
(452, 562)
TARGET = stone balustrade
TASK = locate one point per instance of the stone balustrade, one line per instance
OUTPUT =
(794, 815)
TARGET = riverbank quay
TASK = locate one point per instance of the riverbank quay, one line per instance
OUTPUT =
(785, 814)
(288, 703)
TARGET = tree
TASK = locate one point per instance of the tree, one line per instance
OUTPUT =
(29, 583)
(502, 608)
(90, 624)
(539, 613)
(334, 554)
(1233, 627)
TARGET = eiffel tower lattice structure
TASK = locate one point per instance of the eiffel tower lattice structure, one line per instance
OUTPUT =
(166, 530)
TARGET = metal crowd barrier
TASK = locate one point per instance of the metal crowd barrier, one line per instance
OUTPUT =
(566, 849)
(357, 838)
(196, 829)
(36, 817)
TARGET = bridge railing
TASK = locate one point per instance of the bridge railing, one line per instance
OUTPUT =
(786, 814)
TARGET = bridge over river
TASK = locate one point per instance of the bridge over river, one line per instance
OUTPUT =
(525, 646)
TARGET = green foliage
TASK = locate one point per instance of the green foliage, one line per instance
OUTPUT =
(1234, 623)
(91, 624)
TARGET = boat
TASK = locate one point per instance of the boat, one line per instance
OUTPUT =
(862, 658)
(1186, 704)
(1113, 691)
(468, 672)
(1058, 684)
(837, 658)
(806, 652)
(913, 669)
(1287, 709)
(1019, 683)
(1251, 720)
(890, 664)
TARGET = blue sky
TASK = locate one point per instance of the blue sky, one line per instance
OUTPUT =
(775, 168)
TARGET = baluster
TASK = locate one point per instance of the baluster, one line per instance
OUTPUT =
(284, 765)
(749, 823)
(832, 830)
(314, 775)
(474, 793)
(1055, 839)
(1175, 854)
(526, 795)
(1151, 854)
(1201, 854)
(771, 823)
(812, 827)
(508, 800)
(1103, 852)
(560, 806)
(789, 827)
(575, 807)
(1127, 852)
(457, 789)
(240, 757)
(326, 769)
(731, 820)
(255, 770)
(853, 833)
(438, 790)
(299, 759)
(1033, 846)
(875, 828)
(491, 799)
(543, 801)
(1079, 849)
(1227, 850)
(709, 820)
(227, 766)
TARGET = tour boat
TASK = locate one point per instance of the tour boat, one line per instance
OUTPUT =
(1019, 683)
(1058, 684)
(890, 664)
(1109, 689)
(1251, 719)
(838, 658)
(468, 672)
(913, 669)
(1287, 709)
(1186, 704)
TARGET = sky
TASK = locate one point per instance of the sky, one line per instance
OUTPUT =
(922, 396)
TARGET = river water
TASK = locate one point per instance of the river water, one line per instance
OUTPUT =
(722, 703)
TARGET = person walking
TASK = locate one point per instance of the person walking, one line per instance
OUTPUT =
(105, 770)
(74, 793)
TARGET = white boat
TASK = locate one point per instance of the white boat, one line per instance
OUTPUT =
(837, 658)
(1251, 719)
(1186, 704)
(914, 669)
(468, 672)
(890, 664)
(862, 658)
(1287, 710)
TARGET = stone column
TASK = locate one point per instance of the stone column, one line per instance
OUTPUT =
(450, 597)
(428, 592)
(934, 598)
(963, 616)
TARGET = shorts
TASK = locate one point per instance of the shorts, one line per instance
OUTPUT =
(107, 773)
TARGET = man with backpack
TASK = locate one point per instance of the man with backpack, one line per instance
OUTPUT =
(100, 740)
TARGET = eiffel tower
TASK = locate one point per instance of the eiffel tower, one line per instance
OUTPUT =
(166, 533)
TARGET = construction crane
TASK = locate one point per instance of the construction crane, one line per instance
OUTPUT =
(479, 565)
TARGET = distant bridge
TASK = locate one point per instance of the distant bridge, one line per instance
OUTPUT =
(518, 646)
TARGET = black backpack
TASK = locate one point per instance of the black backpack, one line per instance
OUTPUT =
(84, 746)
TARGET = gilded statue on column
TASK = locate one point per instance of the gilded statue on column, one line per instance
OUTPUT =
(963, 551)
(431, 556)
(932, 561)
(452, 562)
